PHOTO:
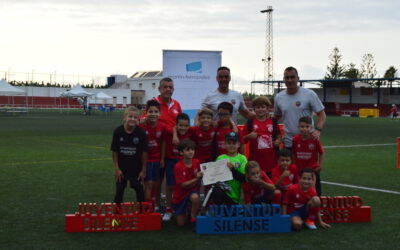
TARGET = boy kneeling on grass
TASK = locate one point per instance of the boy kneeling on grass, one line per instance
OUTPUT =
(258, 187)
(187, 183)
(302, 203)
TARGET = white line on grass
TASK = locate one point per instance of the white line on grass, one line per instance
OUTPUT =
(360, 187)
(364, 145)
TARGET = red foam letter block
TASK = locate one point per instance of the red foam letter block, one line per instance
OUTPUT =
(346, 215)
(73, 223)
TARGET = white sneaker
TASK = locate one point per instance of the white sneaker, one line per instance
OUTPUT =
(310, 224)
(167, 217)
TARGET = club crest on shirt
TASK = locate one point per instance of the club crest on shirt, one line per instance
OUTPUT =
(233, 101)
(158, 134)
(175, 111)
(298, 145)
(184, 173)
(237, 164)
(212, 134)
(135, 140)
(298, 103)
(310, 146)
(255, 127)
(121, 139)
(200, 135)
(270, 128)
(297, 196)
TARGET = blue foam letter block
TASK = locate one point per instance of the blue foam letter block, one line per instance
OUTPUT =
(241, 219)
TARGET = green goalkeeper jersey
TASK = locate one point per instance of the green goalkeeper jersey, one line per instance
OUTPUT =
(239, 163)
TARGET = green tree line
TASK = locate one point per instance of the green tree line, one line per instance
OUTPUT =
(337, 70)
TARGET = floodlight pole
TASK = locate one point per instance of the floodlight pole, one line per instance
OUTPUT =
(268, 58)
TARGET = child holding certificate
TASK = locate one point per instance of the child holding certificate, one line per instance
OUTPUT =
(229, 194)
(187, 183)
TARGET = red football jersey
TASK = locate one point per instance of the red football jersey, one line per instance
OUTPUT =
(220, 139)
(204, 143)
(394, 110)
(169, 112)
(295, 198)
(251, 190)
(154, 137)
(261, 148)
(287, 182)
(306, 152)
(171, 150)
(182, 174)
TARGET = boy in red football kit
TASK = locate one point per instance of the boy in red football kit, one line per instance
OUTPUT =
(225, 126)
(263, 134)
(156, 150)
(187, 183)
(258, 187)
(302, 203)
(285, 174)
(308, 152)
(172, 157)
(203, 136)
(394, 111)
(129, 154)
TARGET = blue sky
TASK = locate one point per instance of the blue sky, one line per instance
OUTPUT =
(121, 36)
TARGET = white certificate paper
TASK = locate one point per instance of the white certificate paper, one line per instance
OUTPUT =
(214, 172)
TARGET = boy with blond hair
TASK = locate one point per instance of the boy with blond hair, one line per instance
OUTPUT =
(129, 154)
(258, 187)
(263, 134)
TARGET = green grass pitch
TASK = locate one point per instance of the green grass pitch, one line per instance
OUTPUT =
(51, 161)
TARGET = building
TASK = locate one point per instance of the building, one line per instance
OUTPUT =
(143, 85)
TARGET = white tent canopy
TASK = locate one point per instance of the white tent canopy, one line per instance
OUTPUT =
(7, 89)
(362, 84)
(102, 96)
(76, 91)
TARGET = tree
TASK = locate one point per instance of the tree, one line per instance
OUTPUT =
(351, 71)
(334, 69)
(391, 72)
(248, 96)
(368, 69)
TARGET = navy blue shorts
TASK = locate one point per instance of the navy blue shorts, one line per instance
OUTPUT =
(169, 171)
(265, 198)
(152, 171)
(300, 212)
(181, 207)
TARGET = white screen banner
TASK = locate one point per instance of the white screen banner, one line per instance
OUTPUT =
(193, 73)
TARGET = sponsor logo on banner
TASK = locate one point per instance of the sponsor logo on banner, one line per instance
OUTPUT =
(192, 67)
(195, 67)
